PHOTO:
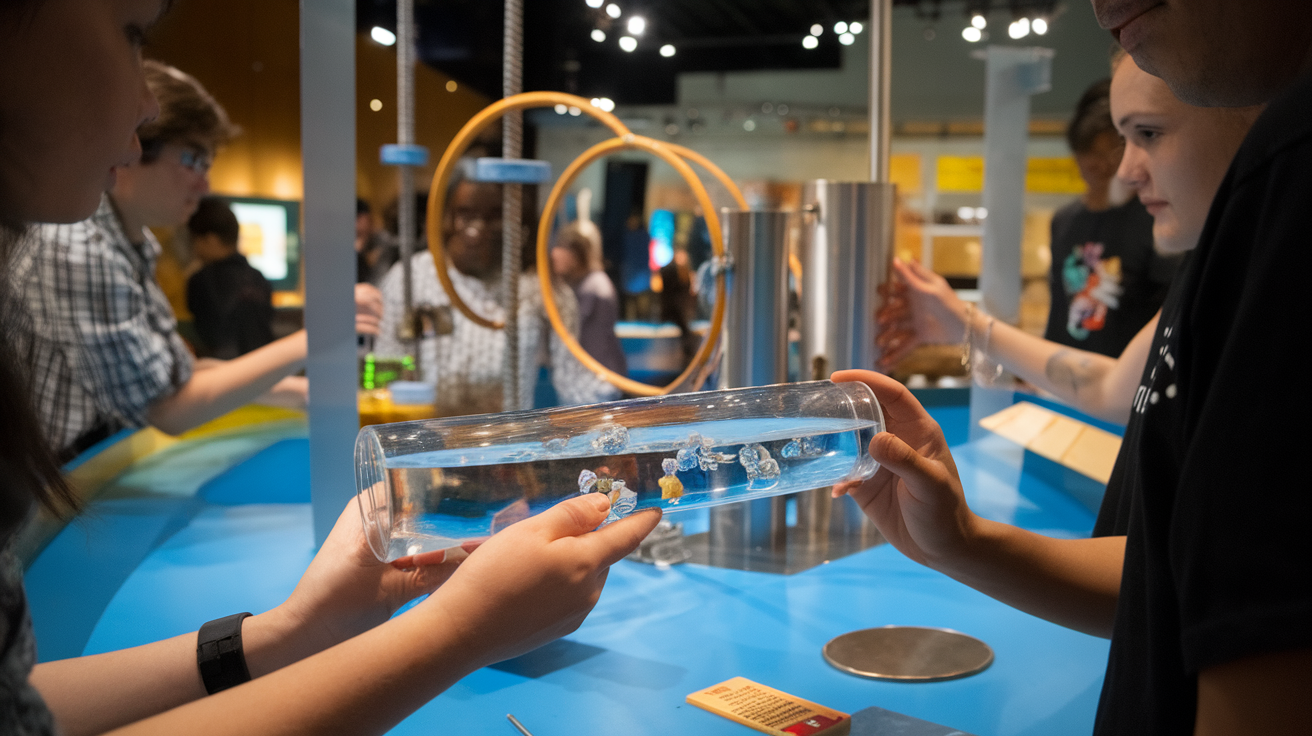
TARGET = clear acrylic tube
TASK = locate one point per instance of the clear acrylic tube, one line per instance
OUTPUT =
(435, 484)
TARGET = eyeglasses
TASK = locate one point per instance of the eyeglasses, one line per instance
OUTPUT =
(196, 159)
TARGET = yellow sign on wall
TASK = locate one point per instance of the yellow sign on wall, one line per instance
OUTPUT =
(960, 173)
(1055, 175)
(904, 171)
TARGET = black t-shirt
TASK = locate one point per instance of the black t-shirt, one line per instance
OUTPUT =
(1106, 280)
(232, 304)
(1211, 485)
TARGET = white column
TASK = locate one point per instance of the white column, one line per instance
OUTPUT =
(328, 161)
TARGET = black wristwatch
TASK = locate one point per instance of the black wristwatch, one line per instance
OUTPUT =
(219, 653)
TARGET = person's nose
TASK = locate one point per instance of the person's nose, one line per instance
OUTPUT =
(1133, 170)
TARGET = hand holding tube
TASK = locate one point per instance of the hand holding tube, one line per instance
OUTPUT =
(915, 498)
(537, 580)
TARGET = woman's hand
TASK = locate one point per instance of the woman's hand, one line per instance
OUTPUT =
(537, 580)
(915, 498)
(920, 308)
(347, 591)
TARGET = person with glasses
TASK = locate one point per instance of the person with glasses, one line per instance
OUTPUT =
(463, 360)
(102, 333)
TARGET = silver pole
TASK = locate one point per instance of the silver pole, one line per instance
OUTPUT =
(512, 146)
(328, 152)
(881, 64)
(405, 136)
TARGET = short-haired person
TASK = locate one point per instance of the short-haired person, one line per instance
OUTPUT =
(103, 335)
(230, 301)
(330, 659)
(463, 360)
(576, 260)
(1207, 596)
(1106, 279)
(1176, 168)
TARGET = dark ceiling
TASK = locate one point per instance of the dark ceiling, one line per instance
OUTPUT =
(463, 39)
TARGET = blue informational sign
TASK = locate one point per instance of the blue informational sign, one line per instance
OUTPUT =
(661, 247)
(398, 155)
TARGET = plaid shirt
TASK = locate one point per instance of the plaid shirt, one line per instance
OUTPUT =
(465, 365)
(104, 339)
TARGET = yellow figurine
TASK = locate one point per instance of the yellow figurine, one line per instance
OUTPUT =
(671, 488)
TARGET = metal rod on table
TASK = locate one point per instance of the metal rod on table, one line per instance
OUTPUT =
(519, 726)
(512, 145)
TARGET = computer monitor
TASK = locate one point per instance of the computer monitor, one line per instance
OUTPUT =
(270, 238)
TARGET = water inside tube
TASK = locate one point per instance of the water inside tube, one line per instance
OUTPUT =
(440, 498)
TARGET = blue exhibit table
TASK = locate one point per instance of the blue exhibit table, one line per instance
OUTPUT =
(239, 540)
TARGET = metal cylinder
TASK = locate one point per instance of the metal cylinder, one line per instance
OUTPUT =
(846, 253)
(756, 354)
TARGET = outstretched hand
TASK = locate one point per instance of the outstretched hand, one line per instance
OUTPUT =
(368, 309)
(920, 308)
(915, 498)
(537, 580)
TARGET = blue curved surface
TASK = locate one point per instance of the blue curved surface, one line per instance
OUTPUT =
(655, 636)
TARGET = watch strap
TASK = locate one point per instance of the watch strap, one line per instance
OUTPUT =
(219, 653)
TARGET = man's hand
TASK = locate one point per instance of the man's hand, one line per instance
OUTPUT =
(368, 309)
(915, 498)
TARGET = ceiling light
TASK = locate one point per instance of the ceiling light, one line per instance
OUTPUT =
(1019, 28)
(451, 85)
(574, 111)
(840, 27)
(628, 43)
(561, 109)
(979, 21)
(749, 125)
(383, 36)
(855, 27)
(817, 29)
(810, 42)
(1039, 26)
(613, 10)
(965, 213)
(667, 50)
(971, 33)
(594, 3)
(637, 24)
(607, 104)
(981, 213)
(846, 39)
(598, 35)
(375, 105)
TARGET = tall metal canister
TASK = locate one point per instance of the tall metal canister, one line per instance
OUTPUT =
(846, 253)
(756, 354)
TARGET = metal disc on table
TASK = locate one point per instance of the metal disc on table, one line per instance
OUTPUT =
(908, 654)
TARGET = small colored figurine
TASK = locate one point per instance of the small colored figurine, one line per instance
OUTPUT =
(612, 439)
(622, 501)
(671, 486)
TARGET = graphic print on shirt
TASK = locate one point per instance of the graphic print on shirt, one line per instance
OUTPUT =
(1161, 382)
(1094, 285)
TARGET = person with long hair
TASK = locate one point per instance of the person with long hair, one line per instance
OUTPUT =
(329, 659)
(1198, 567)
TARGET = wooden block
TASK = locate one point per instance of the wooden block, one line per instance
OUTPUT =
(1057, 438)
(770, 711)
(1026, 423)
(1093, 453)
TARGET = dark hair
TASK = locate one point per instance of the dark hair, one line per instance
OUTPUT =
(187, 113)
(361, 207)
(1093, 117)
(28, 463)
(213, 216)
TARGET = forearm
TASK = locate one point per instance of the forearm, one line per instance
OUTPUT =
(215, 391)
(363, 686)
(1075, 376)
(1071, 582)
(90, 695)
